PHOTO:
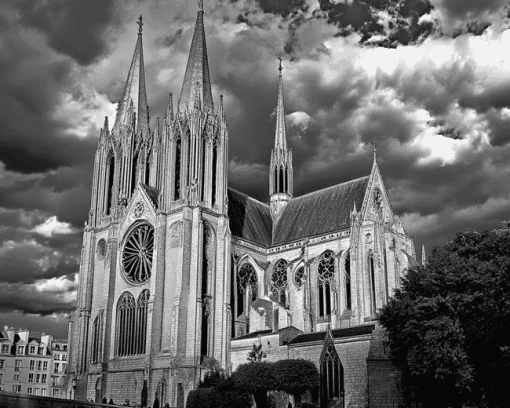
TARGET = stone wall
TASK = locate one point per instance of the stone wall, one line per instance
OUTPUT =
(13, 400)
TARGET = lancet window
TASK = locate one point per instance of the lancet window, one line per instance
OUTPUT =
(177, 181)
(372, 281)
(207, 282)
(214, 170)
(326, 279)
(279, 282)
(131, 324)
(246, 287)
(332, 376)
(110, 172)
(134, 172)
(299, 276)
(348, 280)
(96, 340)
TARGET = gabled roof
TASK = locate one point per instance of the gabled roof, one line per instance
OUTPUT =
(255, 334)
(320, 212)
(337, 334)
(249, 219)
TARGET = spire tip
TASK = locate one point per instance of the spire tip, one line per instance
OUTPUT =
(280, 68)
(200, 6)
(375, 151)
(140, 24)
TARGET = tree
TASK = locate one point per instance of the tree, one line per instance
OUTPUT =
(257, 379)
(295, 377)
(447, 323)
(256, 354)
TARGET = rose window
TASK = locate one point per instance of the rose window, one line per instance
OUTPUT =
(138, 252)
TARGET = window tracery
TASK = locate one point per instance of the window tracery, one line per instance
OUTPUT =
(332, 375)
(247, 278)
(326, 281)
(279, 282)
(138, 253)
(299, 276)
(131, 324)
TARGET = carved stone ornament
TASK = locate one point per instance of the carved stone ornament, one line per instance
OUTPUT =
(368, 238)
(378, 200)
(175, 234)
(138, 209)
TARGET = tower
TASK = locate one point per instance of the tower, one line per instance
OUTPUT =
(280, 169)
(153, 304)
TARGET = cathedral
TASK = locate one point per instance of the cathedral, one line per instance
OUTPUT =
(180, 274)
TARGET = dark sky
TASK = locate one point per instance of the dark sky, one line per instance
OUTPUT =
(427, 80)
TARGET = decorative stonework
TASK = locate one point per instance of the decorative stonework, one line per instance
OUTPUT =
(138, 209)
(368, 238)
(138, 253)
(175, 234)
(299, 277)
(378, 200)
(101, 249)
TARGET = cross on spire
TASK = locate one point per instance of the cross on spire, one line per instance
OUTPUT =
(375, 150)
(280, 68)
(200, 6)
(140, 24)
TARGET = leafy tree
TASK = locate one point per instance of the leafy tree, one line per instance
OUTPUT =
(447, 324)
(295, 377)
(256, 354)
(257, 379)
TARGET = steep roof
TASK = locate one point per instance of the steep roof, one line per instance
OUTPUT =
(249, 219)
(337, 334)
(320, 212)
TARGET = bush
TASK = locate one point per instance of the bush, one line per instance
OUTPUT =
(215, 398)
(257, 379)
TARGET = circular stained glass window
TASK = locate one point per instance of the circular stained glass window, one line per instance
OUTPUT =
(138, 252)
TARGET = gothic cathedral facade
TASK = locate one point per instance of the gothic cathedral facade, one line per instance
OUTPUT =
(180, 274)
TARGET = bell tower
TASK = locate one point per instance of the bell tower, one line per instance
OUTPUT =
(281, 173)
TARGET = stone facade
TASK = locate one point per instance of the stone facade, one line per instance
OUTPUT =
(175, 264)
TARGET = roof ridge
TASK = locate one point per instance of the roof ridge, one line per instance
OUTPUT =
(330, 187)
(250, 197)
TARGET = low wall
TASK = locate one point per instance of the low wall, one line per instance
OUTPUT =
(14, 400)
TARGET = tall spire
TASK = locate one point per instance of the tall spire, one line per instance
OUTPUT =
(196, 79)
(135, 91)
(280, 140)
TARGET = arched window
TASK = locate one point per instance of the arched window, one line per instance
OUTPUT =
(372, 282)
(279, 282)
(126, 320)
(142, 308)
(147, 170)
(299, 276)
(326, 279)
(207, 282)
(177, 173)
(132, 324)
(110, 172)
(214, 170)
(96, 340)
(332, 376)
(134, 172)
(247, 286)
(348, 280)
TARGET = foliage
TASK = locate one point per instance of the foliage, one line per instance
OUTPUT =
(215, 379)
(447, 324)
(295, 376)
(257, 379)
(256, 354)
(218, 398)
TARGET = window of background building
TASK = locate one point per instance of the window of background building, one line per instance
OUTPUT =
(55, 394)
(21, 349)
(31, 377)
(57, 366)
(56, 357)
(2, 363)
(37, 391)
(45, 366)
(43, 392)
(41, 350)
(17, 365)
(32, 349)
(29, 390)
(43, 379)
(39, 365)
(16, 388)
(64, 357)
(65, 347)
(38, 378)
(5, 349)
(1, 376)
(64, 368)
(15, 378)
(32, 364)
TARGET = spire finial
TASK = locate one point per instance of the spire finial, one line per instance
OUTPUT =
(200, 6)
(375, 150)
(280, 68)
(140, 24)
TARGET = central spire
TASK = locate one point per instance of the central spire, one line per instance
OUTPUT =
(197, 82)
(135, 92)
(280, 141)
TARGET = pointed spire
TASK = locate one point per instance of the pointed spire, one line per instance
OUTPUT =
(196, 78)
(221, 112)
(170, 109)
(423, 254)
(374, 145)
(280, 141)
(106, 127)
(135, 91)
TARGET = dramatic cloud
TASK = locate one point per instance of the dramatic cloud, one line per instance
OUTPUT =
(428, 81)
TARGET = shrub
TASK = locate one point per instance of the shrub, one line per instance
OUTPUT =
(295, 377)
(215, 398)
(257, 379)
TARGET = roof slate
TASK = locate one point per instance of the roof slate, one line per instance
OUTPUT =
(337, 334)
(320, 212)
(254, 334)
(249, 219)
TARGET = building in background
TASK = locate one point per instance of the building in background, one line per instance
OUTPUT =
(32, 365)
(180, 274)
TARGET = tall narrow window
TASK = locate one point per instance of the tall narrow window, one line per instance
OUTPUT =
(332, 377)
(110, 172)
(279, 282)
(247, 286)
(177, 181)
(142, 308)
(126, 310)
(207, 282)
(281, 187)
(326, 279)
(96, 333)
(372, 282)
(348, 280)
(204, 161)
(134, 173)
(214, 170)
(147, 170)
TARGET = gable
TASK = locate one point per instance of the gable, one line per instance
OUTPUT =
(141, 207)
(320, 212)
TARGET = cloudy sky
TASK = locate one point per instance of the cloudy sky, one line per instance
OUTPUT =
(427, 80)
